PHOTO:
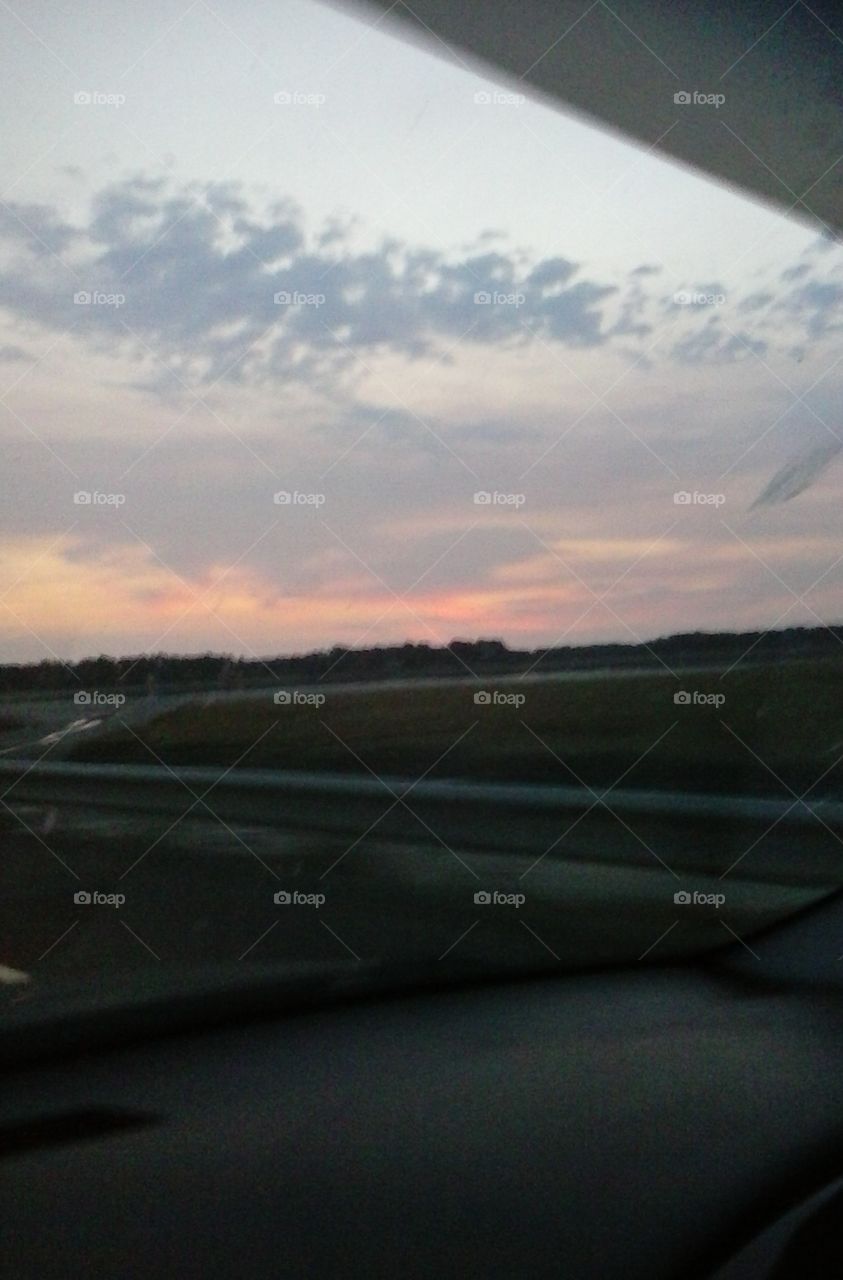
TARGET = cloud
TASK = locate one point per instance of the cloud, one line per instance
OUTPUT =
(202, 283)
(38, 227)
(208, 283)
(817, 305)
(796, 272)
(756, 301)
(716, 344)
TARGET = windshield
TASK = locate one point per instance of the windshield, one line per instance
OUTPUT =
(421, 521)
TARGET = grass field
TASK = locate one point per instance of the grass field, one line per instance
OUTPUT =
(784, 719)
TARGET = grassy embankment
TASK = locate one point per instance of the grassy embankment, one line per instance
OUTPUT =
(789, 714)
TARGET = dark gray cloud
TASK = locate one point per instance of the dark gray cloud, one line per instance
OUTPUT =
(198, 284)
(796, 272)
(37, 227)
(715, 343)
(208, 284)
(756, 301)
(818, 305)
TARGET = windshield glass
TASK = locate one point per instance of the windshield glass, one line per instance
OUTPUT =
(421, 521)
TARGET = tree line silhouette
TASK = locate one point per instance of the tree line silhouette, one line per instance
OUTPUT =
(162, 672)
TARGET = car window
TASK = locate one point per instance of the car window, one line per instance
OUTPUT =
(366, 416)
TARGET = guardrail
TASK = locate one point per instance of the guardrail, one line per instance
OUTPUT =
(779, 840)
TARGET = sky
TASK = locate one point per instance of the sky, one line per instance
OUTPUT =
(309, 337)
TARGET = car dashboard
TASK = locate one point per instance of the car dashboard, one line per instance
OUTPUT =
(658, 1121)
